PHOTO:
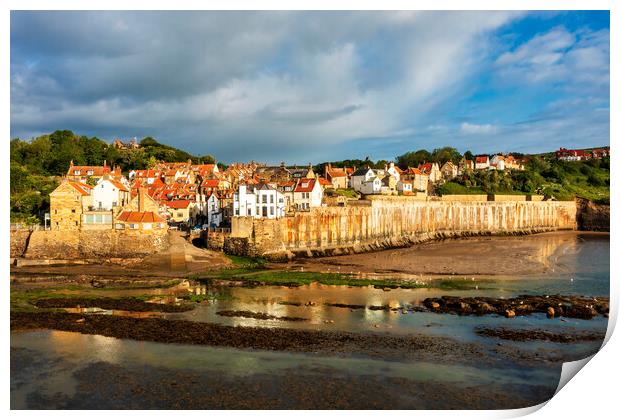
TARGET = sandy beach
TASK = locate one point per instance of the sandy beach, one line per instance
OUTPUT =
(489, 256)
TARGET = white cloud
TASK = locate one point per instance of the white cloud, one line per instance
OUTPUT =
(469, 128)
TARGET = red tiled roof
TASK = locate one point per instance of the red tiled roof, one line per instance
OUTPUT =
(178, 204)
(481, 159)
(305, 185)
(212, 183)
(323, 181)
(426, 167)
(82, 188)
(139, 217)
(336, 173)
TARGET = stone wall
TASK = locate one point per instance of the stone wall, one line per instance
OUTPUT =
(592, 216)
(19, 242)
(395, 222)
(88, 244)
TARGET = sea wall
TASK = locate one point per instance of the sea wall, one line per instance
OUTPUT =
(392, 222)
(72, 244)
(592, 216)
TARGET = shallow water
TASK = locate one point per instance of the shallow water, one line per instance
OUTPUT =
(48, 368)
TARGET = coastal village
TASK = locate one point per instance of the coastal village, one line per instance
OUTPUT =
(204, 196)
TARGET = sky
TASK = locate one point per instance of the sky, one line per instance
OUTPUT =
(305, 87)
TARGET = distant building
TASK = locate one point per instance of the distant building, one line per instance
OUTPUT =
(261, 201)
(482, 162)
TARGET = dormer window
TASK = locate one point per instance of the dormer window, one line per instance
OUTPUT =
(76, 172)
(90, 172)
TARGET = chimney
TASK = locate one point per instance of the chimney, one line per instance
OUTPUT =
(71, 163)
(104, 163)
(141, 198)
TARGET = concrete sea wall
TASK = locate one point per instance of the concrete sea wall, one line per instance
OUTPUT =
(393, 222)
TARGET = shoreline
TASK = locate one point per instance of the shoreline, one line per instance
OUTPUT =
(493, 257)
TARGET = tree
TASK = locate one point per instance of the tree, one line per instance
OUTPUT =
(413, 159)
(468, 155)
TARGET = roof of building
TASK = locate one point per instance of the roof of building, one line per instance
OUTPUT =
(426, 167)
(83, 189)
(324, 181)
(118, 185)
(139, 217)
(361, 172)
(305, 185)
(178, 204)
(482, 159)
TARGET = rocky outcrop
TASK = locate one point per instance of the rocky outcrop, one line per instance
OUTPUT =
(592, 216)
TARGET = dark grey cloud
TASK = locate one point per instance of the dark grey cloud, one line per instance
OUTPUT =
(269, 85)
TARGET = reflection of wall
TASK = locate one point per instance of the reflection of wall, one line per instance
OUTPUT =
(390, 223)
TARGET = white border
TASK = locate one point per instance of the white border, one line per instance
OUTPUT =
(590, 395)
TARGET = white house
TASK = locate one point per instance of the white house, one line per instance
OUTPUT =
(482, 162)
(498, 162)
(392, 170)
(371, 186)
(261, 200)
(308, 193)
(360, 176)
(109, 193)
(214, 213)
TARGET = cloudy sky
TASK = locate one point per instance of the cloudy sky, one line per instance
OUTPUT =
(315, 86)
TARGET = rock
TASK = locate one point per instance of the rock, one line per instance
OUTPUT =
(394, 305)
(485, 308)
(80, 320)
(510, 313)
(310, 303)
(435, 305)
(550, 312)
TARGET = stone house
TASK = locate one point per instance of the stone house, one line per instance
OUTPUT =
(466, 165)
(419, 180)
(182, 211)
(432, 170)
(337, 176)
(371, 186)
(449, 170)
(67, 203)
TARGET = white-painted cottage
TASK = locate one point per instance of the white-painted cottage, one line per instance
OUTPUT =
(109, 193)
(308, 193)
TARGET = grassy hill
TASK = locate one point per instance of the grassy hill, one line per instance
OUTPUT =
(544, 175)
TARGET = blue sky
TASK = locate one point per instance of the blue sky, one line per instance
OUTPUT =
(315, 86)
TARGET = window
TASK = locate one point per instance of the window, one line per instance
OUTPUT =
(133, 226)
(271, 199)
(264, 211)
(249, 211)
(89, 172)
(264, 199)
(271, 210)
(119, 226)
(72, 210)
(236, 212)
(76, 222)
(146, 226)
(55, 211)
(179, 214)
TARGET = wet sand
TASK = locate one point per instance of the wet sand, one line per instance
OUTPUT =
(489, 256)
